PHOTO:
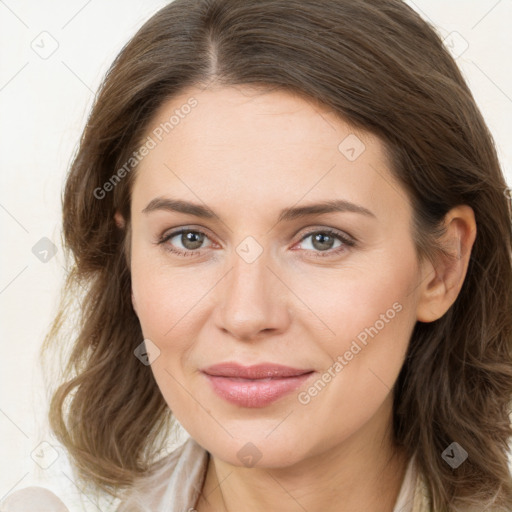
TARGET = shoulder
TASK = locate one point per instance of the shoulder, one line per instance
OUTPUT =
(422, 500)
(413, 495)
(173, 483)
(32, 498)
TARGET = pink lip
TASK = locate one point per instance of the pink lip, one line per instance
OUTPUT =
(254, 386)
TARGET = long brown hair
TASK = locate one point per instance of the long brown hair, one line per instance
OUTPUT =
(383, 69)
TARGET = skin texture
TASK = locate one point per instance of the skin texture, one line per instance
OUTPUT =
(246, 155)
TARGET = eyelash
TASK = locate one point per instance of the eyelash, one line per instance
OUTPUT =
(347, 242)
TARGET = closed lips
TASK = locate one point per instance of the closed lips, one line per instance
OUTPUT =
(265, 371)
(254, 386)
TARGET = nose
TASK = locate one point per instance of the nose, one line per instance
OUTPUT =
(253, 298)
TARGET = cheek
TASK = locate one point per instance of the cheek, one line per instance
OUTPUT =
(332, 310)
(370, 315)
(355, 303)
(169, 299)
(343, 304)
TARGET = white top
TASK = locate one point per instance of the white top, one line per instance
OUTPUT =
(176, 481)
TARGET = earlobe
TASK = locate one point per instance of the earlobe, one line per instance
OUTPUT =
(119, 219)
(442, 281)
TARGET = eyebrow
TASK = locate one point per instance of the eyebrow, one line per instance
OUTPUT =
(287, 214)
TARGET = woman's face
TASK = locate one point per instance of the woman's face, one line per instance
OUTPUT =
(260, 276)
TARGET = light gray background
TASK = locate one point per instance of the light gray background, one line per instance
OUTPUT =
(44, 101)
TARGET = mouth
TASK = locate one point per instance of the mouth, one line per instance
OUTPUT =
(254, 386)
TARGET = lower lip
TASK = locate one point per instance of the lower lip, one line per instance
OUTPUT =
(255, 392)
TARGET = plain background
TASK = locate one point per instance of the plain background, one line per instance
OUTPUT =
(44, 102)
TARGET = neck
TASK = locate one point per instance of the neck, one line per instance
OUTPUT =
(362, 473)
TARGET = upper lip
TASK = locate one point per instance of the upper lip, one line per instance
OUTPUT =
(257, 371)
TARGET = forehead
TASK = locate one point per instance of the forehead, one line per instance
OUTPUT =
(249, 117)
(260, 148)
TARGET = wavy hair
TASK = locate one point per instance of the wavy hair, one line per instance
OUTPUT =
(381, 68)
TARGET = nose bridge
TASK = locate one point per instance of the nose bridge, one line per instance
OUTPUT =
(250, 278)
(251, 299)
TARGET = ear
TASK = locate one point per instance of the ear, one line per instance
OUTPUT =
(441, 282)
(120, 222)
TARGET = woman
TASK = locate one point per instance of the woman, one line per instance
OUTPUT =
(294, 236)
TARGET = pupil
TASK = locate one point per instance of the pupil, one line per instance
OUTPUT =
(189, 239)
(320, 237)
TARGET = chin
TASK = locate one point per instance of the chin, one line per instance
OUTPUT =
(251, 449)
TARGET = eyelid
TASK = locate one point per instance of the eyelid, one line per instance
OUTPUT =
(310, 230)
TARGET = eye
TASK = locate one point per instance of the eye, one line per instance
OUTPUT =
(190, 239)
(323, 241)
(321, 245)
